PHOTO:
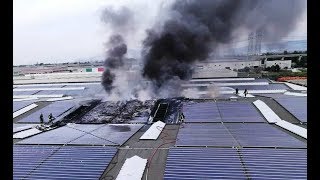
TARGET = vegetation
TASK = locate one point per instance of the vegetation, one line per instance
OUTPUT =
(273, 68)
(285, 52)
(276, 75)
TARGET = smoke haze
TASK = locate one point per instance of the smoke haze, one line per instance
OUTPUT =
(189, 32)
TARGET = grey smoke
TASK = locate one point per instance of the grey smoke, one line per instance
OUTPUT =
(195, 28)
(120, 23)
(119, 20)
(190, 32)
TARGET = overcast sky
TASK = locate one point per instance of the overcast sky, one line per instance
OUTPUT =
(68, 30)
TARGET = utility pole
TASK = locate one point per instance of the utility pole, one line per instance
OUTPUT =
(250, 45)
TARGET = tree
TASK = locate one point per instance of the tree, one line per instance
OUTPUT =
(275, 68)
(246, 69)
(285, 52)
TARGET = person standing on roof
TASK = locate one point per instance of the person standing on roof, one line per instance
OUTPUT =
(41, 118)
(51, 118)
(245, 92)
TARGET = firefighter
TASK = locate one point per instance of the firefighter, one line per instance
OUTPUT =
(245, 92)
(51, 118)
(41, 118)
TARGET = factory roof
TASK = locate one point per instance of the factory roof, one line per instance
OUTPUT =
(228, 136)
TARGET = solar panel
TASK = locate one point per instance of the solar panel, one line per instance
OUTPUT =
(262, 135)
(239, 112)
(42, 86)
(274, 95)
(262, 87)
(21, 127)
(89, 89)
(203, 163)
(139, 120)
(45, 92)
(27, 158)
(66, 162)
(21, 104)
(111, 134)
(85, 134)
(205, 134)
(62, 135)
(296, 106)
(56, 108)
(73, 93)
(24, 92)
(201, 112)
(275, 163)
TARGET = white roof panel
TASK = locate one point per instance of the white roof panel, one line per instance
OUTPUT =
(267, 112)
(293, 128)
(24, 110)
(132, 169)
(26, 133)
(154, 131)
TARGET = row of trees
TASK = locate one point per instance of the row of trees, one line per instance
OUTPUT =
(285, 52)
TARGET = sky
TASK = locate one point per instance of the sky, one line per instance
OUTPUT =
(54, 31)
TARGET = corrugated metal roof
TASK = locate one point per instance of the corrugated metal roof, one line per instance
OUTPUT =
(203, 163)
(222, 112)
(27, 158)
(262, 135)
(229, 163)
(275, 163)
(296, 106)
(205, 134)
(61, 162)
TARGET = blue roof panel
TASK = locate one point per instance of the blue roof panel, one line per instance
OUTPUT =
(66, 162)
(275, 163)
(205, 134)
(203, 163)
(296, 106)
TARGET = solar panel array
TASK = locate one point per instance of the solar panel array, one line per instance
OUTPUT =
(60, 162)
(56, 108)
(80, 134)
(27, 158)
(42, 86)
(274, 95)
(296, 106)
(262, 87)
(111, 134)
(89, 90)
(203, 163)
(239, 112)
(45, 92)
(235, 134)
(201, 112)
(15, 93)
(205, 134)
(21, 104)
(275, 163)
(232, 81)
(221, 112)
(262, 135)
(229, 163)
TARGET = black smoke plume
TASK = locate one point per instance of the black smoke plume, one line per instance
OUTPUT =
(116, 52)
(196, 28)
(120, 22)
